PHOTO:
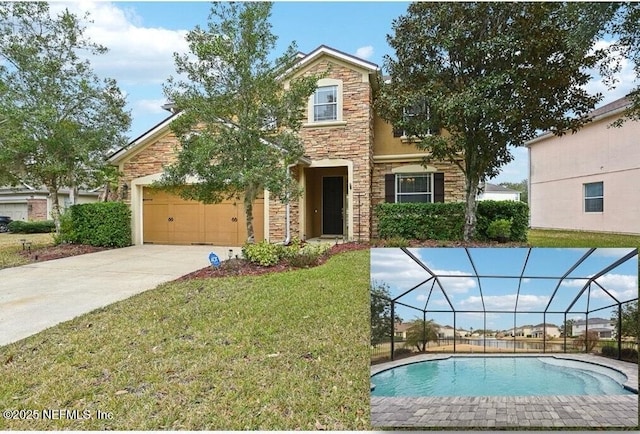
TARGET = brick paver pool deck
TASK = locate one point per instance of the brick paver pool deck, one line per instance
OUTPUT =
(587, 411)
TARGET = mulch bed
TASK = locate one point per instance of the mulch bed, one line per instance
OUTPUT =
(242, 267)
(60, 251)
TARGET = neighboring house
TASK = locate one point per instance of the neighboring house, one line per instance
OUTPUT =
(521, 331)
(352, 162)
(588, 180)
(401, 331)
(538, 331)
(32, 204)
(605, 328)
(497, 192)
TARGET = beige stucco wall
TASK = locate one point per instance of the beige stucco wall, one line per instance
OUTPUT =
(560, 166)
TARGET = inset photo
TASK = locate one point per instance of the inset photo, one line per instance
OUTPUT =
(504, 337)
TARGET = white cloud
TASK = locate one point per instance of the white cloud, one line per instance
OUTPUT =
(624, 79)
(505, 302)
(621, 286)
(137, 54)
(365, 52)
(152, 105)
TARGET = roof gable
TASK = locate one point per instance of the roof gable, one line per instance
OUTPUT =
(324, 50)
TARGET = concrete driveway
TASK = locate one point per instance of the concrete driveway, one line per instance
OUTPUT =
(40, 295)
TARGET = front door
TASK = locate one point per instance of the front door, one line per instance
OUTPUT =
(332, 205)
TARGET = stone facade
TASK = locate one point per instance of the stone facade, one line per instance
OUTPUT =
(151, 160)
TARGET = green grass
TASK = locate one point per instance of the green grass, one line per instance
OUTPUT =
(282, 351)
(11, 245)
(556, 238)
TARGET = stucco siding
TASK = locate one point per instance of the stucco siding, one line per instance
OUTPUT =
(560, 166)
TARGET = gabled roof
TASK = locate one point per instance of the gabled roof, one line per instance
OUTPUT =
(614, 108)
(493, 188)
(323, 49)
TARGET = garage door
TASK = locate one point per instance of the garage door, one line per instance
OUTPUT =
(169, 219)
(17, 211)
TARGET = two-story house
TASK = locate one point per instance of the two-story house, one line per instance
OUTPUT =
(588, 180)
(605, 328)
(352, 161)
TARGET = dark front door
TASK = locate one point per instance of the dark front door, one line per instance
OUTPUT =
(332, 205)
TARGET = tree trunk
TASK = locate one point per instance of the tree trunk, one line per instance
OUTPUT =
(471, 187)
(55, 208)
(249, 197)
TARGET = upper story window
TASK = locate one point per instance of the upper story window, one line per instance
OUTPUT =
(414, 113)
(325, 104)
(594, 197)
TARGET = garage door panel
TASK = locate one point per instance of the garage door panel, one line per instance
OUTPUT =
(155, 223)
(169, 219)
(16, 211)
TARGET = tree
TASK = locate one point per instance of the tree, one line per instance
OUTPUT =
(420, 333)
(625, 26)
(381, 322)
(489, 75)
(630, 320)
(567, 328)
(586, 341)
(59, 120)
(238, 126)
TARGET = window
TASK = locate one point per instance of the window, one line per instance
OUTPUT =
(415, 112)
(414, 187)
(412, 183)
(594, 197)
(325, 104)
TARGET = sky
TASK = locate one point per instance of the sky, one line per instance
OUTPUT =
(541, 269)
(143, 36)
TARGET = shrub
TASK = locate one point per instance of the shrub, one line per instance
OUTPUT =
(499, 230)
(445, 221)
(629, 354)
(402, 351)
(308, 255)
(609, 351)
(586, 341)
(38, 227)
(101, 224)
(263, 253)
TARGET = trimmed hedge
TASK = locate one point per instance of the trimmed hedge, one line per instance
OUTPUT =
(445, 221)
(38, 227)
(101, 224)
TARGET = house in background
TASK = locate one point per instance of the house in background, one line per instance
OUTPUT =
(588, 180)
(541, 330)
(605, 328)
(497, 192)
(27, 203)
(352, 162)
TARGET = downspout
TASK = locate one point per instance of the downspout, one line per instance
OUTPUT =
(287, 211)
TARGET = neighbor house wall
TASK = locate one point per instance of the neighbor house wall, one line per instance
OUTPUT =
(560, 166)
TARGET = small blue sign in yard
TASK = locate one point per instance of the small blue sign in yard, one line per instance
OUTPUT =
(213, 258)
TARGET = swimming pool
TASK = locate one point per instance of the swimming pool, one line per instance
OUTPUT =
(498, 376)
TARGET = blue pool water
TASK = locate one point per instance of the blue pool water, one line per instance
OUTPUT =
(498, 376)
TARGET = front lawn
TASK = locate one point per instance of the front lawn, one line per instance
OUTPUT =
(557, 238)
(11, 246)
(281, 351)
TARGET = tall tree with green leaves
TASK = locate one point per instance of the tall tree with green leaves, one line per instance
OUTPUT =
(630, 320)
(238, 125)
(489, 75)
(381, 321)
(626, 26)
(58, 119)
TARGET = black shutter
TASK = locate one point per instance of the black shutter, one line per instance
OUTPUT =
(438, 187)
(390, 188)
(397, 132)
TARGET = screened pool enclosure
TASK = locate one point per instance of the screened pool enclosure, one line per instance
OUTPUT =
(504, 299)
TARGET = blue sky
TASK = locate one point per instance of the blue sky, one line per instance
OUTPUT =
(401, 273)
(142, 37)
